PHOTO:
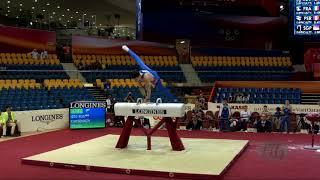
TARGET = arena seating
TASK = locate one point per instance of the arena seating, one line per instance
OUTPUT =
(212, 68)
(120, 66)
(261, 95)
(23, 66)
(121, 87)
(28, 95)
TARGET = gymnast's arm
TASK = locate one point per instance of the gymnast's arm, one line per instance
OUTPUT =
(136, 58)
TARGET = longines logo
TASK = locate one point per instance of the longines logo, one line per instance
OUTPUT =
(149, 111)
(50, 117)
(88, 105)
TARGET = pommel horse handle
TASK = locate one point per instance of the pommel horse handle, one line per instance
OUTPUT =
(139, 101)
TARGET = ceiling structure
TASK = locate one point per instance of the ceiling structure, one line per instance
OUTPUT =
(96, 12)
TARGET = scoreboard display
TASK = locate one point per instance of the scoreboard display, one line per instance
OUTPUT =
(306, 18)
(87, 115)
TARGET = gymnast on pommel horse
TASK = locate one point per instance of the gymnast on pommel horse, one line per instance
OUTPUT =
(148, 77)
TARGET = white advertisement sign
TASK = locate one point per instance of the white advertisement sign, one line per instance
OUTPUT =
(296, 108)
(41, 120)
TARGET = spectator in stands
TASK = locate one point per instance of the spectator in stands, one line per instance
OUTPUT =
(244, 118)
(9, 121)
(231, 98)
(66, 52)
(44, 54)
(195, 123)
(107, 87)
(202, 102)
(224, 116)
(238, 98)
(246, 98)
(3, 125)
(277, 118)
(129, 98)
(263, 125)
(34, 54)
(285, 122)
(81, 66)
(266, 112)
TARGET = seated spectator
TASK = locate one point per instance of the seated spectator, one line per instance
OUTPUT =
(263, 125)
(194, 124)
(202, 102)
(238, 98)
(129, 98)
(224, 116)
(44, 54)
(231, 98)
(244, 118)
(8, 120)
(235, 124)
(34, 54)
(245, 98)
(266, 112)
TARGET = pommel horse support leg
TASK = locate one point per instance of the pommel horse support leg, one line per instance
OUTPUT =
(165, 110)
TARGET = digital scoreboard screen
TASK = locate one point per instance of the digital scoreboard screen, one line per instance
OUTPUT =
(306, 17)
(87, 114)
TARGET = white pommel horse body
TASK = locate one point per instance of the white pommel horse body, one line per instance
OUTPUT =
(165, 110)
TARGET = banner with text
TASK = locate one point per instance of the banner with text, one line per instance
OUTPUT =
(296, 108)
(42, 120)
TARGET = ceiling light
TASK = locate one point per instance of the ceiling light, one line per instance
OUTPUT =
(79, 19)
(32, 7)
(71, 17)
(58, 7)
(8, 2)
(92, 16)
(59, 19)
(87, 21)
(68, 21)
(62, 15)
(31, 23)
(77, 12)
(53, 12)
(8, 11)
(100, 24)
(35, 0)
(20, 9)
(20, 4)
(17, 17)
(43, 10)
(8, 7)
(6, 14)
(51, 17)
(84, 14)
(68, 9)
(48, 4)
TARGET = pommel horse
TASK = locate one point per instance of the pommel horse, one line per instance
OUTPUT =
(165, 110)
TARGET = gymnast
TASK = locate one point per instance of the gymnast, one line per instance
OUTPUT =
(147, 78)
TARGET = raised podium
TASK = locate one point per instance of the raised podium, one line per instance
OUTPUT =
(167, 111)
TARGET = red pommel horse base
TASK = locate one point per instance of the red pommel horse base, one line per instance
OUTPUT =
(165, 110)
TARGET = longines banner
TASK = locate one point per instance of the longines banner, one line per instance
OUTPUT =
(41, 120)
(296, 108)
